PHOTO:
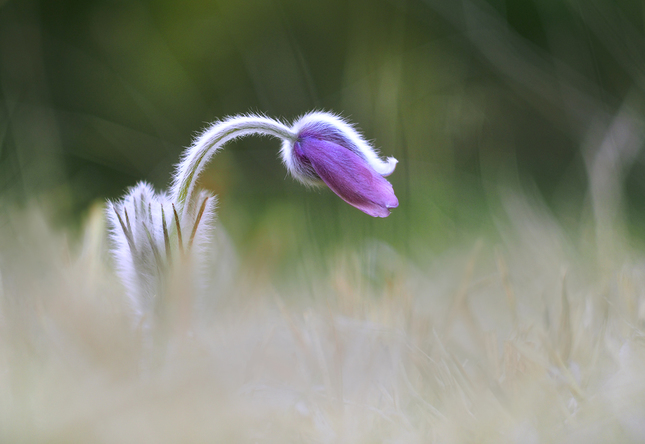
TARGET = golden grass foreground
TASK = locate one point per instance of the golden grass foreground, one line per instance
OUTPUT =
(531, 338)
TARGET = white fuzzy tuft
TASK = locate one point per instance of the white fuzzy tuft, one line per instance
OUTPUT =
(140, 247)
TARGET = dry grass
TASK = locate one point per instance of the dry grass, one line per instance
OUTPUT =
(531, 339)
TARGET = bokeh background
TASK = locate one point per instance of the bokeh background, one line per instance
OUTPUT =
(473, 97)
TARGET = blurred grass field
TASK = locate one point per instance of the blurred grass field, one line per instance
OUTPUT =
(527, 338)
(501, 302)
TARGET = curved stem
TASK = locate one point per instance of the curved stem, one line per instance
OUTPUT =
(197, 156)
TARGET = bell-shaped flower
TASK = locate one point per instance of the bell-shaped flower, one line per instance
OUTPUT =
(329, 150)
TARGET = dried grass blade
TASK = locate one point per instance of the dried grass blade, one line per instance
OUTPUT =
(565, 334)
(155, 251)
(127, 220)
(181, 243)
(166, 239)
(199, 218)
(126, 231)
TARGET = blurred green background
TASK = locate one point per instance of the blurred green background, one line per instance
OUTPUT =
(472, 97)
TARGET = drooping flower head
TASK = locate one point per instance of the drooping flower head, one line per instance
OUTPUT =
(329, 150)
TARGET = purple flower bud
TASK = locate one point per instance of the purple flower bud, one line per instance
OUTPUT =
(329, 150)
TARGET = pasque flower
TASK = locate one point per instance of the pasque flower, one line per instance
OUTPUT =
(329, 150)
(319, 148)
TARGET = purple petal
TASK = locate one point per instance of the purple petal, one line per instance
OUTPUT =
(349, 176)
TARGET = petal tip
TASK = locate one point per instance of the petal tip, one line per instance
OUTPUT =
(393, 203)
(391, 166)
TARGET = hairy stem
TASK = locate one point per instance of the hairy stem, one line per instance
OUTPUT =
(197, 156)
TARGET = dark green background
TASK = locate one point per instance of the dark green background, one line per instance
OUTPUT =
(472, 97)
